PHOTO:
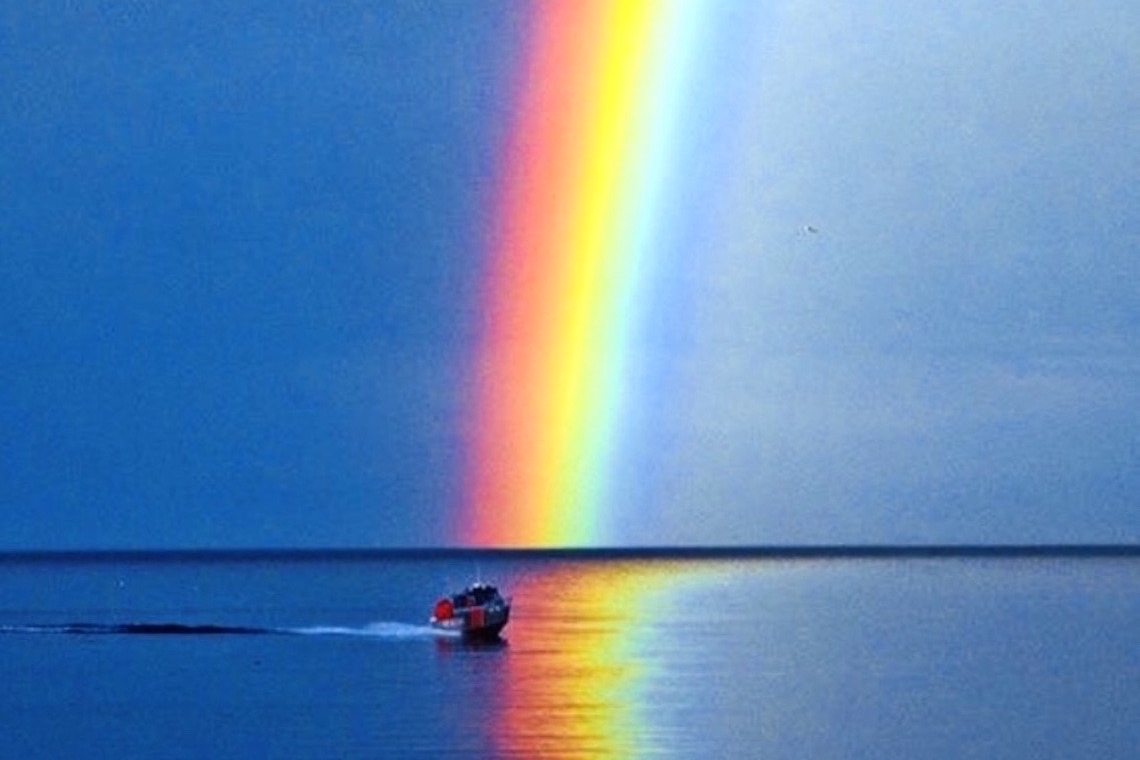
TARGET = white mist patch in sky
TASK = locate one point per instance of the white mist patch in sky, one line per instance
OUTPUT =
(918, 316)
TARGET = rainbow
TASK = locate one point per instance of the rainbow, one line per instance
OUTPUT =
(600, 112)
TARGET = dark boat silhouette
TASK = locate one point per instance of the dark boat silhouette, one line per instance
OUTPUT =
(478, 613)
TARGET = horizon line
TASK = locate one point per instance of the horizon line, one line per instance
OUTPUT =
(709, 552)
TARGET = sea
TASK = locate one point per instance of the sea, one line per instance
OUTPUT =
(797, 654)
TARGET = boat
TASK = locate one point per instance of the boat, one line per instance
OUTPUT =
(478, 613)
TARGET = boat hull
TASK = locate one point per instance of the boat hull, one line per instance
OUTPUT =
(476, 624)
(486, 633)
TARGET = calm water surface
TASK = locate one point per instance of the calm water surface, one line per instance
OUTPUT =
(987, 658)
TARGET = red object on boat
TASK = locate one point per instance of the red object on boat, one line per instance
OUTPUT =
(443, 609)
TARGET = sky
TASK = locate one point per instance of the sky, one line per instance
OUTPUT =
(886, 290)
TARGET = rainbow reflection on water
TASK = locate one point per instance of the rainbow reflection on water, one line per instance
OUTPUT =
(584, 645)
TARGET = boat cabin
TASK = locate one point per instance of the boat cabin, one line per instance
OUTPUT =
(482, 593)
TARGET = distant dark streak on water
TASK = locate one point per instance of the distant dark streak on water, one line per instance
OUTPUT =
(146, 629)
(870, 552)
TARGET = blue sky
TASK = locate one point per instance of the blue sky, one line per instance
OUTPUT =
(239, 254)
